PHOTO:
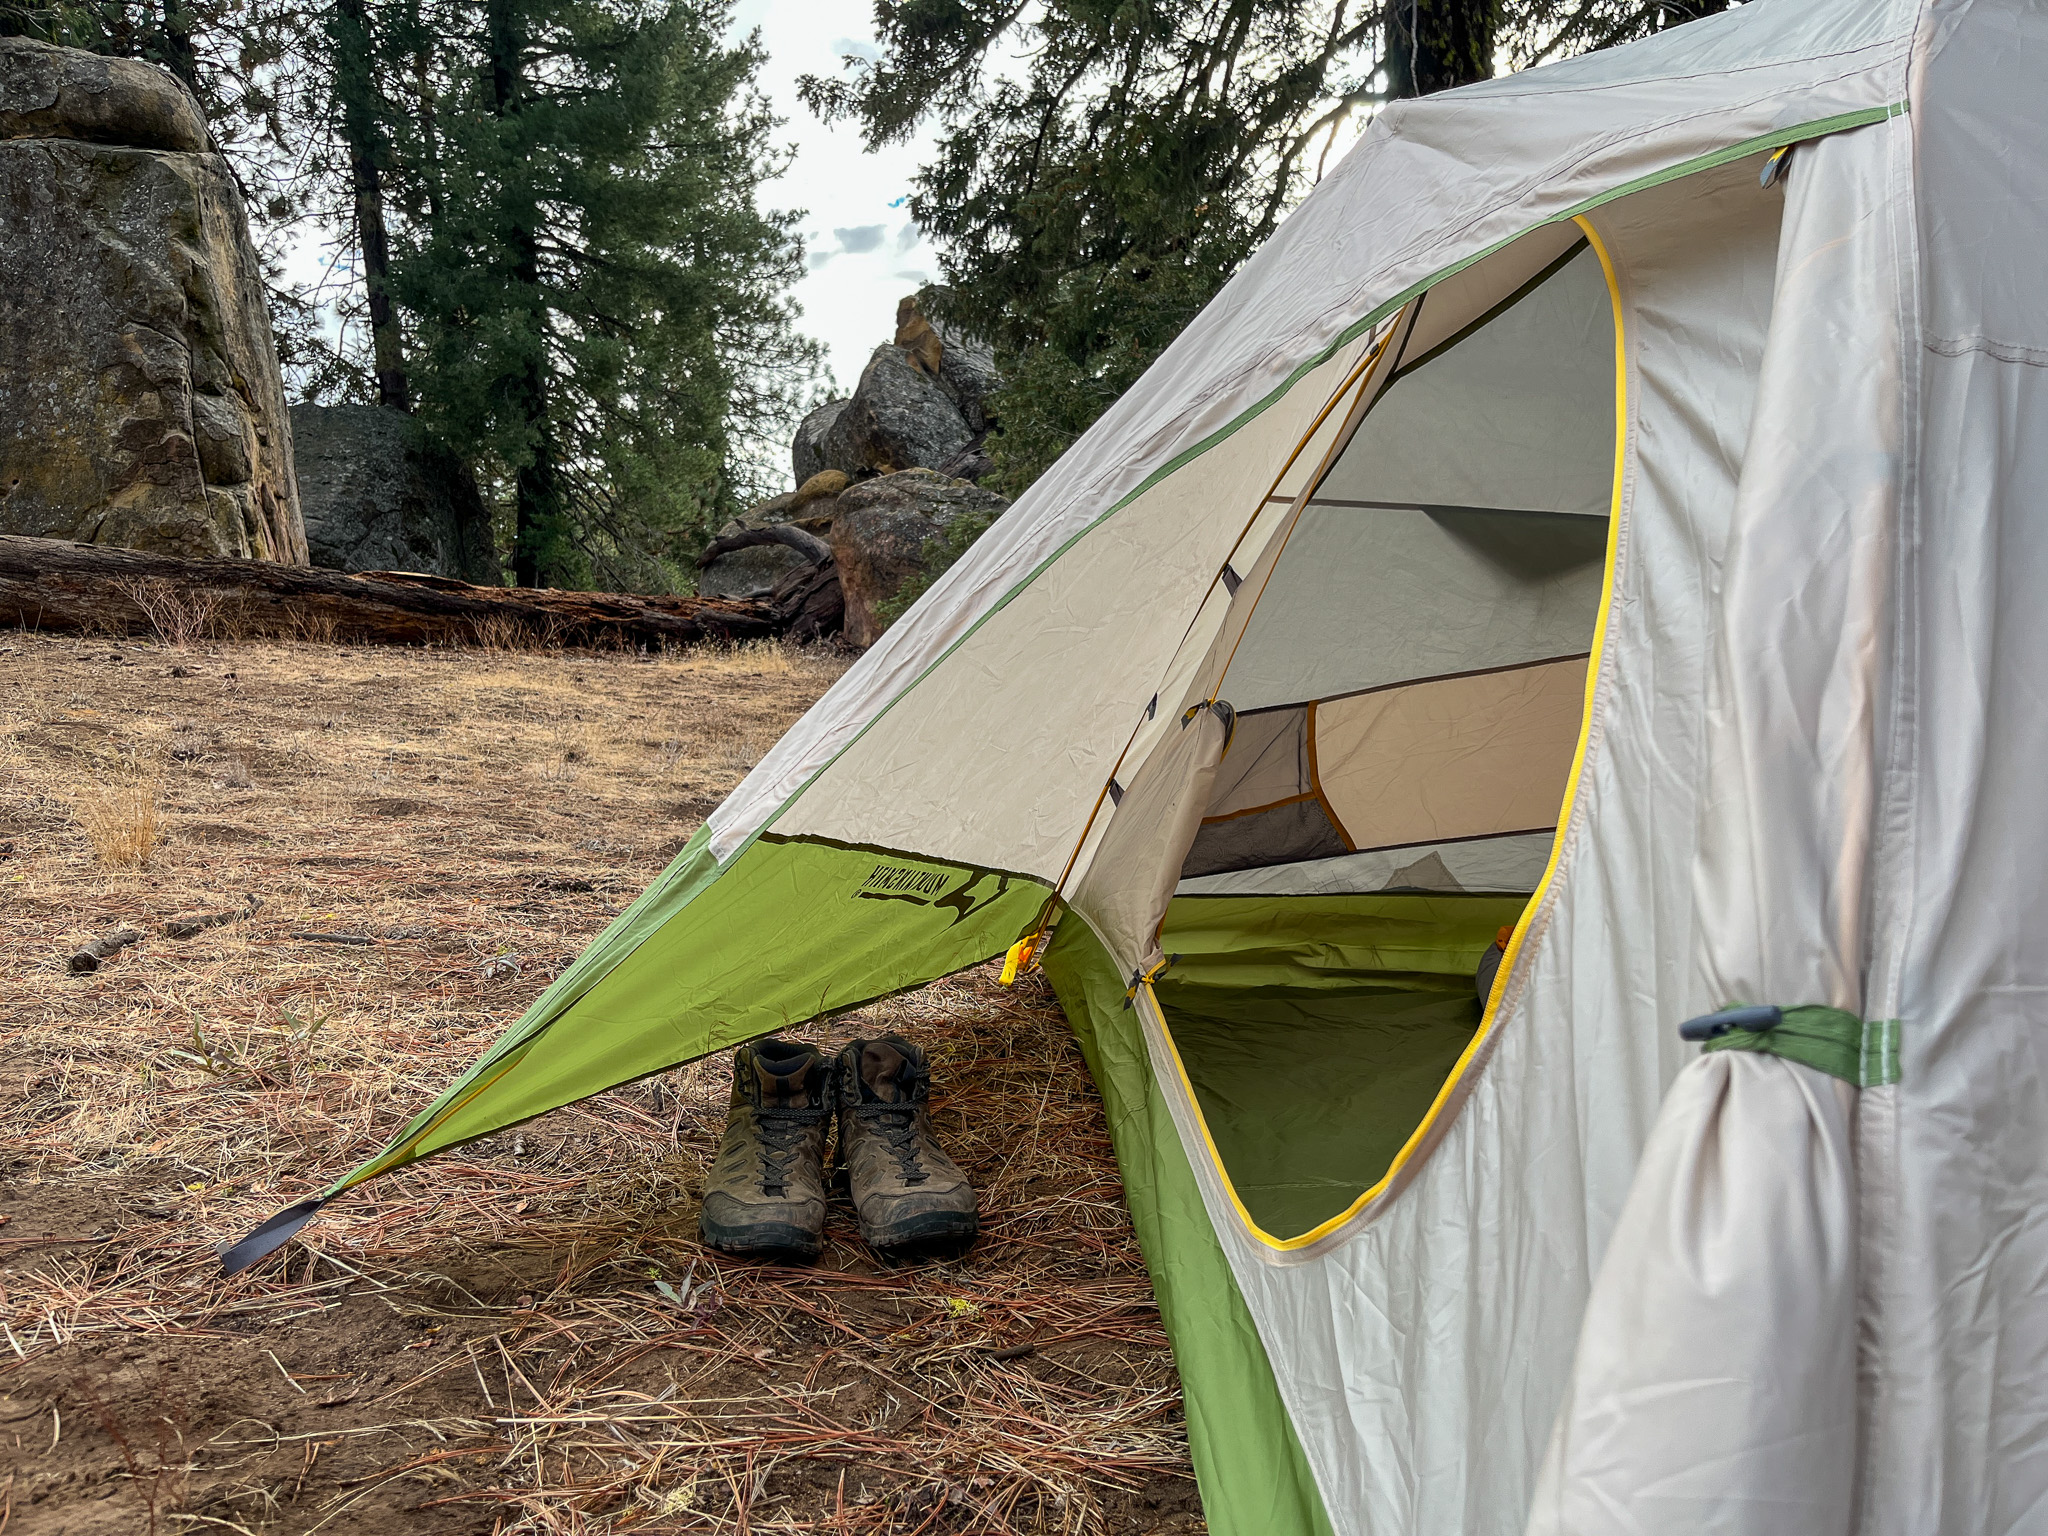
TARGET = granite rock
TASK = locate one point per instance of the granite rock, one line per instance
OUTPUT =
(141, 403)
(379, 494)
(883, 533)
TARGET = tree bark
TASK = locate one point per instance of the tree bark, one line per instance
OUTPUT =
(51, 584)
(356, 89)
(1433, 45)
(180, 57)
(537, 492)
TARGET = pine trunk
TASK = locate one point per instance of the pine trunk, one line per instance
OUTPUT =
(1433, 45)
(356, 85)
(537, 486)
(180, 57)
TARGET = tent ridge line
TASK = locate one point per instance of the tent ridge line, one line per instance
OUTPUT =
(1777, 138)
(1885, 50)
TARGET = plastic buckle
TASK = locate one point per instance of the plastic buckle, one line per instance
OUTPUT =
(1711, 1026)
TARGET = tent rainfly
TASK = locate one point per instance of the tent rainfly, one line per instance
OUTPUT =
(1610, 508)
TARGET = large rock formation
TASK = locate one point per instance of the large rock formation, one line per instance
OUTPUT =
(807, 452)
(884, 477)
(140, 401)
(753, 572)
(900, 417)
(380, 495)
(921, 403)
(884, 534)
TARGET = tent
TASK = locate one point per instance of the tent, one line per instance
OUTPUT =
(1601, 511)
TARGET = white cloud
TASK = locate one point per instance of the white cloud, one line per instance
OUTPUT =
(858, 242)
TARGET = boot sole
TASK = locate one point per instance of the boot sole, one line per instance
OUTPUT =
(935, 1232)
(768, 1239)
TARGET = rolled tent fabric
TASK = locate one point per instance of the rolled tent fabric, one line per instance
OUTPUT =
(1714, 1388)
(1140, 856)
(1956, 1183)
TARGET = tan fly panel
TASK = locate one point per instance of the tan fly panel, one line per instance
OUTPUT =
(1484, 755)
(1410, 684)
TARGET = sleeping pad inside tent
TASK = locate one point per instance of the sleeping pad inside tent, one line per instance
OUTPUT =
(1379, 617)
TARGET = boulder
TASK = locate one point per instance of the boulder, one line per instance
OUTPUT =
(900, 417)
(964, 368)
(141, 403)
(748, 574)
(827, 482)
(61, 93)
(807, 452)
(883, 533)
(379, 494)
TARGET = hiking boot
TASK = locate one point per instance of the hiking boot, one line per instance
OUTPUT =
(908, 1194)
(765, 1193)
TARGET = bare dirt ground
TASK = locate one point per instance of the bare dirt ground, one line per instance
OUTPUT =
(524, 1335)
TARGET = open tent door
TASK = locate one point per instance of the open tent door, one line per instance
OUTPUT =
(1409, 675)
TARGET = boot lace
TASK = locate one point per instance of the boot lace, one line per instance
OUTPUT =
(897, 1124)
(780, 1133)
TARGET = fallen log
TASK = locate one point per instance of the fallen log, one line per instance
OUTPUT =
(95, 953)
(809, 545)
(52, 584)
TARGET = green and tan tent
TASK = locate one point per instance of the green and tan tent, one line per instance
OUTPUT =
(1613, 508)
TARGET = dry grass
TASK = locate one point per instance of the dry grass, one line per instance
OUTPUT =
(179, 616)
(523, 1336)
(117, 810)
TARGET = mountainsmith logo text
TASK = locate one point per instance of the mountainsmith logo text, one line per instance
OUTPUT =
(923, 887)
(892, 882)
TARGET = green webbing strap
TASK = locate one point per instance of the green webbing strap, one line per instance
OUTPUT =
(1859, 1051)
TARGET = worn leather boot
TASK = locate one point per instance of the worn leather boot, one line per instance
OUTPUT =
(909, 1195)
(765, 1193)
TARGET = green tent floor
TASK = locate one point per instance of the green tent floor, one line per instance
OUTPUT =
(1316, 1032)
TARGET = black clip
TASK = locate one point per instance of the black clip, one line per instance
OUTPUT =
(1775, 168)
(1711, 1026)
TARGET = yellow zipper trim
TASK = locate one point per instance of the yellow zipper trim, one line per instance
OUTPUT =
(1412, 1146)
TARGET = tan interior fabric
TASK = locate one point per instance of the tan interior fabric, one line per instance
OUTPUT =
(1267, 763)
(1461, 757)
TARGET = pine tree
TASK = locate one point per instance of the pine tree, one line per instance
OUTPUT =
(1087, 206)
(599, 301)
(363, 120)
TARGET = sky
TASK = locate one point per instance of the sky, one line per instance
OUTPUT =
(862, 251)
